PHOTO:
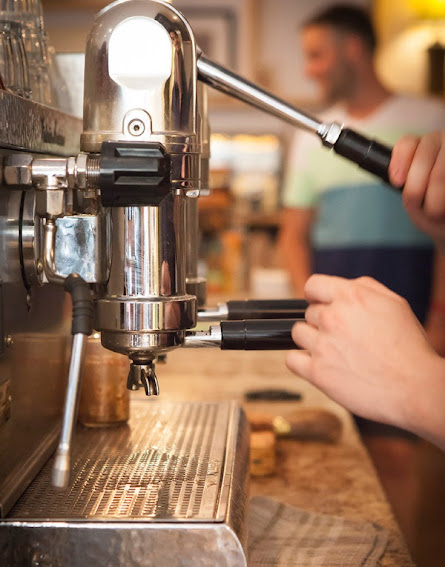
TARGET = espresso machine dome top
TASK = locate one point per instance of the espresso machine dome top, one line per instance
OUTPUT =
(140, 76)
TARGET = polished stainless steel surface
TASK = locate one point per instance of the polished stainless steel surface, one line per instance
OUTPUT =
(30, 241)
(82, 247)
(195, 285)
(129, 66)
(140, 84)
(48, 253)
(218, 313)
(143, 375)
(204, 339)
(17, 169)
(172, 487)
(36, 128)
(62, 461)
(146, 291)
(33, 361)
(204, 133)
(235, 86)
(231, 84)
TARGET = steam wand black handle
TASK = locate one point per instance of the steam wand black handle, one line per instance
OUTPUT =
(367, 154)
(258, 334)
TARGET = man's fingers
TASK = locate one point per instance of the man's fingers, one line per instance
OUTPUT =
(374, 285)
(304, 335)
(312, 314)
(300, 362)
(402, 156)
(434, 204)
(322, 289)
(420, 170)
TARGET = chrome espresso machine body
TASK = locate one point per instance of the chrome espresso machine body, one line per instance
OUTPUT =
(172, 487)
(116, 225)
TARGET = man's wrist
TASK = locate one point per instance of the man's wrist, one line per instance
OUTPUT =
(425, 413)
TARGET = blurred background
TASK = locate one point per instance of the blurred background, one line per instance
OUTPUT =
(240, 219)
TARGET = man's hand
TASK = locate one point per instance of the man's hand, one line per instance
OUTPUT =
(364, 348)
(419, 165)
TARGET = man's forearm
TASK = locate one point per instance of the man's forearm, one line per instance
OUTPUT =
(426, 413)
(435, 323)
(298, 264)
(294, 245)
(297, 260)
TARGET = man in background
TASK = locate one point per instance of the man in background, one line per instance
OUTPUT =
(340, 220)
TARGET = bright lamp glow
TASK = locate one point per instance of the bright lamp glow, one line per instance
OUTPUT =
(402, 63)
(429, 9)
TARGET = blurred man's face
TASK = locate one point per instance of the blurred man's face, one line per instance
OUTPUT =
(327, 62)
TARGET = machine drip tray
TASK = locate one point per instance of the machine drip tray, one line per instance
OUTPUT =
(169, 488)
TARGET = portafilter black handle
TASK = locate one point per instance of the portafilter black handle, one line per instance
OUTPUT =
(258, 334)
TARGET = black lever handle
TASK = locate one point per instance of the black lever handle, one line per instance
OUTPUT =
(258, 334)
(367, 154)
(266, 309)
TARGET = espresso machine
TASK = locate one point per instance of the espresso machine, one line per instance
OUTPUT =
(107, 211)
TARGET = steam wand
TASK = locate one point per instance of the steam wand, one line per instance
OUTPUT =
(81, 328)
(367, 154)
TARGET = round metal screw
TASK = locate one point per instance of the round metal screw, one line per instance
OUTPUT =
(9, 341)
(39, 266)
(136, 127)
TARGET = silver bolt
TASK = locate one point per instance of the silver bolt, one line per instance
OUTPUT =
(39, 266)
(9, 341)
(136, 127)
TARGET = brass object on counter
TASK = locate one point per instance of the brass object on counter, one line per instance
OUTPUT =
(104, 397)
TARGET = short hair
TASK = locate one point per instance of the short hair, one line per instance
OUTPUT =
(347, 18)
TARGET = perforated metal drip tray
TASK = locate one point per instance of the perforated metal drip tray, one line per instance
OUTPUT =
(177, 473)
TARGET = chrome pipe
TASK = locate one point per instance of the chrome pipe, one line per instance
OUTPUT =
(229, 83)
(218, 313)
(61, 467)
(237, 87)
(49, 244)
(204, 339)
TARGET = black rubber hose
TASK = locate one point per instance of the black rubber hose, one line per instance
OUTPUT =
(83, 305)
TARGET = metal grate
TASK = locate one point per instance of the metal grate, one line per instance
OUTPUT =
(167, 464)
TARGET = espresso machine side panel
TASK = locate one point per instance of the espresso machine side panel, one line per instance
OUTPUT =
(34, 320)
